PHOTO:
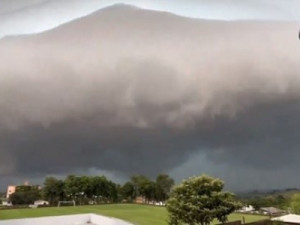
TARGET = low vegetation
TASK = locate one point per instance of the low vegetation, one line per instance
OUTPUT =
(137, 214)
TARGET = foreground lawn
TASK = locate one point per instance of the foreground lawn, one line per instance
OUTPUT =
(137, 214)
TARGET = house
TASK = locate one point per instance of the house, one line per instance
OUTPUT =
(10, 190)
(13, 188)
(246, 209)
(272, 211)
(140, 200)
(6, 203)
(290, 219)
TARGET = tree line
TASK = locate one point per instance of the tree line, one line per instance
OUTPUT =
(197, 200)
(95, 190)
(289, 202)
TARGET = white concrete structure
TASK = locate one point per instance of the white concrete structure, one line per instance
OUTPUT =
(290, 218)
(41, 202)
(91, 219)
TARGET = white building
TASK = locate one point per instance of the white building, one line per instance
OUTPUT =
(10, 190)
(246, 209)
(288, 219)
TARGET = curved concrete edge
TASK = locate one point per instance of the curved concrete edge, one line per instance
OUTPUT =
(76, 219)
(98, 219)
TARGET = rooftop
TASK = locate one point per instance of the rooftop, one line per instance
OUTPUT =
(290, 218)
(91, 219)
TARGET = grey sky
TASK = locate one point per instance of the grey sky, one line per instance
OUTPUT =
(7, 6)
(127, 91)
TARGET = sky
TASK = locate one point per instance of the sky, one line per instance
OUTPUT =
(122, 90)
(32, 16)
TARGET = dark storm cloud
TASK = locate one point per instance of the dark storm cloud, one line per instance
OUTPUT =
(136, 91)
(258, 149)
(67, 147)
(265, 136)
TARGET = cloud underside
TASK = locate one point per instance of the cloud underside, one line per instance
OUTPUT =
(118, 93)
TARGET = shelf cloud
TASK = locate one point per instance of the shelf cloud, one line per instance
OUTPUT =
(137, 91)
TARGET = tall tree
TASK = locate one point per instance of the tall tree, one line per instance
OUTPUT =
(111, 192)
(199, 200)
(74, 188)
(98, 186)
(149, 191)
(164, 183)
(128, 191)
(79, 188)
(143, 186)
(53, 190)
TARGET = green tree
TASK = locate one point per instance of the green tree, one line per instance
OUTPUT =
(149, 190)
(280, 201)
(143, 186)
(259, 201)
(25, 188)
(74, 188)
(112, 192)
(25, 197)
(98, 186)
(128, 191)
(139, 182)
(53, 190)
(163, 186)
(199, 200)
(25, 194)
(103, 190)
(295, 203)
(79, 188)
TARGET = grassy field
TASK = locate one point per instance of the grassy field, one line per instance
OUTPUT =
(137, 214)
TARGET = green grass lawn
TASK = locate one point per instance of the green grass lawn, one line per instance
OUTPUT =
(137, 214)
